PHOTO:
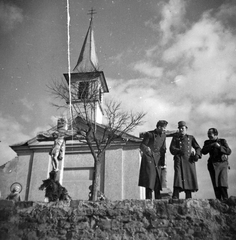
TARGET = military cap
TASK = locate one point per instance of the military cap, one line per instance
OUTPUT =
(182, 124)
(162, 123)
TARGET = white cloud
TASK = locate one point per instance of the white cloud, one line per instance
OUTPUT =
(195, 78)
(26, 118)
(29, 105)
(148, 96)
(151, 51)
(10, 16)
(37, 130)
(227, 15)
(11, 133)
(117, 59)
(148, 69)
(214, 111)
(205, 57)
(172, 18)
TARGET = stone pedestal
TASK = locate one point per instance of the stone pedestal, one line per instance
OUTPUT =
(166, 193)
(54, 175)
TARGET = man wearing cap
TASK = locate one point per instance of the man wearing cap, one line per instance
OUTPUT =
(185, 176)
(218, 150)
(153, 148)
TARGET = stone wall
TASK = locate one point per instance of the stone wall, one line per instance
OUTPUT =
(119, 220)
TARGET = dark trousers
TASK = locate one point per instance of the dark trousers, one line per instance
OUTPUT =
(149, 191)
(157, 191)
(221, 193)
(188, 193)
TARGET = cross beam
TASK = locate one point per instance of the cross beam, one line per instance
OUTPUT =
(91, 12)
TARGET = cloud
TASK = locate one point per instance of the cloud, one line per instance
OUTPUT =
(172, 18)
(204, 59)
(26, 118)
(11, 133)
(148, 69)
(10, 16)
(121, 57)
(29, 105)
(227, 15)
(148, 95)
(117, 59)
(194, 77)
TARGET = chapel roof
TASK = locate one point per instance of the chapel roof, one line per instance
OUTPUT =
(124, 137)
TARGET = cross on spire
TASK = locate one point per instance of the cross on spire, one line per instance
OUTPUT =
(91, 12)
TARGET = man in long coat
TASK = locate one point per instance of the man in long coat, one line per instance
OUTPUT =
(218, 150)
(185, 176)
(153, 148)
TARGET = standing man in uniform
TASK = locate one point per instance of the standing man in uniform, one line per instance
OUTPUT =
(185, 176)
(153, 148)
(218, 150)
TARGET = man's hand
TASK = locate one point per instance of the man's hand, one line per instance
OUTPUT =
(195, 158)
(217, 145)
(181, 153)
(148, 151)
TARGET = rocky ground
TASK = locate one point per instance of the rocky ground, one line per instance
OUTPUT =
(119, 220)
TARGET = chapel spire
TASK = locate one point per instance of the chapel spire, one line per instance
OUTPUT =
(87, 61)
(88, 84)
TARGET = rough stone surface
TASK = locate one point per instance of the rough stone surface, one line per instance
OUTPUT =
(119, 220)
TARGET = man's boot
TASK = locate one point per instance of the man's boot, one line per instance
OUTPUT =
(176, 193)
(148, 193)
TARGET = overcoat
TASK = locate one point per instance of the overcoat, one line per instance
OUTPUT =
(185, 176)
(217, 163)
(150, 169)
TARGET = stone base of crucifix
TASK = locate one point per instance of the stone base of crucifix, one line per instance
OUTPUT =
(55, 176)
(58, 175)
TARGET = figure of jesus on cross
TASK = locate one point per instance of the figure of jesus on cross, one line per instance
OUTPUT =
(58, 136)
(57, 149)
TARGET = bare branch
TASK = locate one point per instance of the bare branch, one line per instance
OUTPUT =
(119, 120)
(83, 100)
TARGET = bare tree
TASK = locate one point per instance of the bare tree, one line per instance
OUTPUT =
(118, 122)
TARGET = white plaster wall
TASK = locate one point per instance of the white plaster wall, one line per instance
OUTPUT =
(16, 172)
(22, 173)
(131, 166)
(78, 160)
(99, 115)
(39, 173)
(113, 175)
(78, 175)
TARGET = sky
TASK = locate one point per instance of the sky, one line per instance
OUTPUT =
(173, 59)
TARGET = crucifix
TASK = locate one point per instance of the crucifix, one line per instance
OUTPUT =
(59, 136)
